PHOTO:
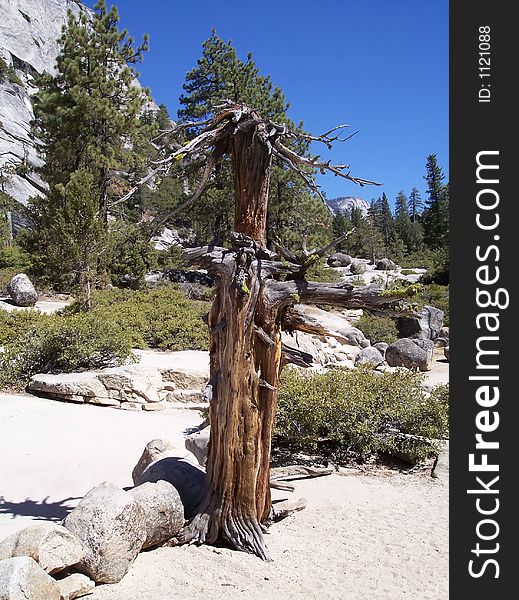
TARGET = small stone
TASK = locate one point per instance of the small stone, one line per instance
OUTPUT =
(131, 406)
(22, 578)
(75, 586)
(52, 546)
(154, 406)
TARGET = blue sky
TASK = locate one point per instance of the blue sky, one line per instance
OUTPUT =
(380, 66)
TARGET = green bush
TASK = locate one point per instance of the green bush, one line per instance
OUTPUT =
(378, 329)
(359, 413)
(162, 318)
(54, 344)
(321, 273)
(121, 319)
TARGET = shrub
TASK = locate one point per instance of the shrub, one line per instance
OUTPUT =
(53, 344)
(121, 319)
(357, 412)
(162, 318)
(378, 329)
(321, 273)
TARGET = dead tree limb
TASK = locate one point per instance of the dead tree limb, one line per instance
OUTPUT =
(256, 290)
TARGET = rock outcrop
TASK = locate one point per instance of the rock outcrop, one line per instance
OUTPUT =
(29, 32)
(134, 387)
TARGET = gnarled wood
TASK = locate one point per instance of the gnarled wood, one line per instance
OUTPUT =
(248, 312)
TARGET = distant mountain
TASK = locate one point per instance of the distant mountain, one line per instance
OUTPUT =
(347, 203)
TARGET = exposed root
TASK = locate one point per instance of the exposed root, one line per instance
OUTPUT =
(242, 533)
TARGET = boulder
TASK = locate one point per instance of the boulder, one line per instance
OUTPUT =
(440, 468)
(112, 526)
(153, 451)
(357, 267)
(163, 509)
(22, 291)
(187, 478)
(339, 259)
(52, 546)
(369, 356)
(405, 353)
(197, 443)
(385, 264)
(200, 277)
(426, 325)
(75, 586)
(22, 578)
(426, 345)
(446, 352)
(159, 462)
(381, 347)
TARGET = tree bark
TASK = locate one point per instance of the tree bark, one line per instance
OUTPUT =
(249, 310)
(245, 363)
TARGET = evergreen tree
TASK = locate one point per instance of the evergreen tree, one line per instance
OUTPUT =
(74, 238)
(341, 225)
(386, 224)
(373, 242)
(220, 74)
(408, 231)
(436, 214)
(6, 205)
(415, 204)
(356, 242)
(87, 116)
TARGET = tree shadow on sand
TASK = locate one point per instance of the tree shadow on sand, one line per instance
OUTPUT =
(40, 510)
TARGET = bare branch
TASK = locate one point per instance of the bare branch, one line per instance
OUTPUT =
(371, 297)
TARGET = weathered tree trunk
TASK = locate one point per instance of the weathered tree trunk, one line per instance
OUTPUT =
(244, 370)
(253, 302)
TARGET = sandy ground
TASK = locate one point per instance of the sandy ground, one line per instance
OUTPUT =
(363, 536)
(43, 306)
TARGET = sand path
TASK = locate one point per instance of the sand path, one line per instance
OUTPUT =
(363, 536)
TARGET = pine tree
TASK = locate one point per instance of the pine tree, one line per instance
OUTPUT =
(6, 205)
(415, 204)
(341, 225)
(386, 224)
(84, 240)
(436, 214)
(219, 75)
(87, 116)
